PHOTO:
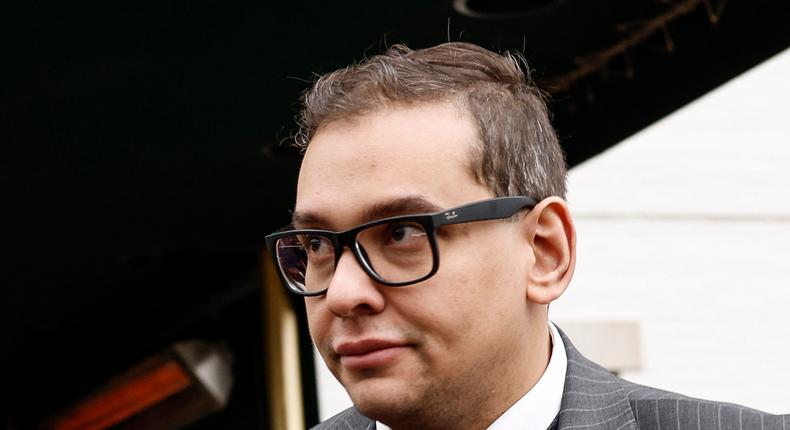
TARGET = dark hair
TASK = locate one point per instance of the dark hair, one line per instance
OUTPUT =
(518, 154)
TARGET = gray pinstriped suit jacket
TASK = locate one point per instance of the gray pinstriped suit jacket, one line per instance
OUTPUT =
(594, 399)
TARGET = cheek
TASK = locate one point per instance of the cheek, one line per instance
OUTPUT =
(483, 287)
(452, 307)
(485, 272)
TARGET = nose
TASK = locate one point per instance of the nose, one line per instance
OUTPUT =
(352, 292)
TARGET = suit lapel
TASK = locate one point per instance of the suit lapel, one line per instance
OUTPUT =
(593, 398)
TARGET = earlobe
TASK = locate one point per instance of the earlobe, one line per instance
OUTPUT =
(552, 237)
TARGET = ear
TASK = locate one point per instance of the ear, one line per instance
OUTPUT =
(552, 237)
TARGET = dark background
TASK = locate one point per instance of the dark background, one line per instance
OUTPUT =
(141, 165)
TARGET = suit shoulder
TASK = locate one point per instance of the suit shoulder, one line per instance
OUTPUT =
(656, 408)
(637, 392)
(347, 420)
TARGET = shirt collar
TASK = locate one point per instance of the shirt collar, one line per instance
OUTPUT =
(536, 409)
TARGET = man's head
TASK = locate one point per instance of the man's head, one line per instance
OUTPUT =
(517, 152)
(415, 132)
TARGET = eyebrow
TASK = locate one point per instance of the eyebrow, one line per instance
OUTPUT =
(409, 205)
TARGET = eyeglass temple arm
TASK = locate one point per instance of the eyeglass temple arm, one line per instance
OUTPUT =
(498, 208)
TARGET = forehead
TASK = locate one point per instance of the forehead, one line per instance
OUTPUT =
(390, 154)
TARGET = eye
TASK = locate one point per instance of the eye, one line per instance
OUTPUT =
(317, 246)
(405, 233)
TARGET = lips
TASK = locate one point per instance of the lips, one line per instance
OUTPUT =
(369, 353)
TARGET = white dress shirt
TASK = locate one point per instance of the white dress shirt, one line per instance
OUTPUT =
(536, 409)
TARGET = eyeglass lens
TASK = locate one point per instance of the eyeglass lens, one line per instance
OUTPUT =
(396, 252)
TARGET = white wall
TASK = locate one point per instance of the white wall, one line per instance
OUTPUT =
(685, 229)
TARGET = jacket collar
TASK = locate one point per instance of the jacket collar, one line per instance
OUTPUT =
(593, 398)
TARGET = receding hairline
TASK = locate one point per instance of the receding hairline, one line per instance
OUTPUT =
(455, 99)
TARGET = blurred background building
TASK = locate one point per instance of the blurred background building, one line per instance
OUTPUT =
(141, 167)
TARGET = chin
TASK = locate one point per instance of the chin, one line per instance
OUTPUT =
(384, 402)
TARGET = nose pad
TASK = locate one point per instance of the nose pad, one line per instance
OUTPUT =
(363, 259)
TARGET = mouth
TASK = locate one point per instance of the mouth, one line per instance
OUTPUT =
(369, 353)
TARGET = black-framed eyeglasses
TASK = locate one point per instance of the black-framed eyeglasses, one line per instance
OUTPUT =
(394, 251)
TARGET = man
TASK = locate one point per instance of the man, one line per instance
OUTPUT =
(429, 236)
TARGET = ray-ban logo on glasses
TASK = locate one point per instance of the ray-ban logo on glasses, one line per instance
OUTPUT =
(450, 215)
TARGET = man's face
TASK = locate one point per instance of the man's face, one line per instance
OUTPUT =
(439, 343)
